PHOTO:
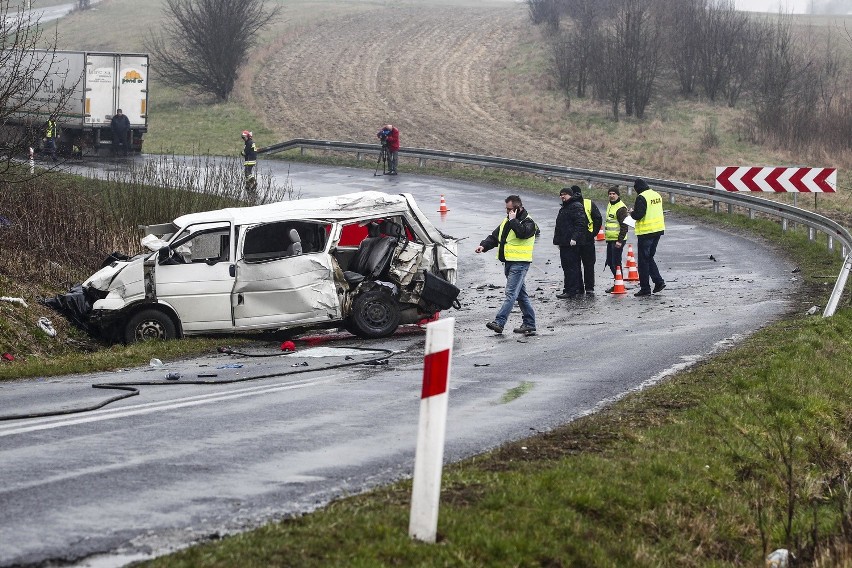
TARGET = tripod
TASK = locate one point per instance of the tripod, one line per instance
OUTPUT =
(383, 159)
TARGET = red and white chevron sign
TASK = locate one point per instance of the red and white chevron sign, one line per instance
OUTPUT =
(777, 180)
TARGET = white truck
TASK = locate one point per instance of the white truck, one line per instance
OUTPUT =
(91, 87)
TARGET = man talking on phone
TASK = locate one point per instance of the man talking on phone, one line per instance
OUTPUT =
(514, 239)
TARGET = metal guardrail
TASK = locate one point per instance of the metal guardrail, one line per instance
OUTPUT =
(814, 221)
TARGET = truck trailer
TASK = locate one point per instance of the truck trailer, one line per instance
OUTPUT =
(83, 90)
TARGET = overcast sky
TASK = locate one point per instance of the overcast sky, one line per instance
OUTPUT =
(794, 6)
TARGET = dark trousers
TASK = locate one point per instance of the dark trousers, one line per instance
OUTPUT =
(613, 257)
(570, 259)
(648, 271)
(587, 258)
(119, 142)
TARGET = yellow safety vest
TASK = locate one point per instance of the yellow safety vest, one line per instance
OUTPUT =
(587, 205)
(653, 221)
(613, 227)
(50, 131)
(515, 248)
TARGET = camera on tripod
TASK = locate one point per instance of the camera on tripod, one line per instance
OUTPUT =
(383, 137)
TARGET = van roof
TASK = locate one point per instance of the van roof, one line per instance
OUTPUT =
(340, 207)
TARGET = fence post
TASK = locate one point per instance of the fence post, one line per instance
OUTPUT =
(428, 461)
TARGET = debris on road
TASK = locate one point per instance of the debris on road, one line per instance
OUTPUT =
(46, 326)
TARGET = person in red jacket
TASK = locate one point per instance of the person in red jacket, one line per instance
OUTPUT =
(389, 135)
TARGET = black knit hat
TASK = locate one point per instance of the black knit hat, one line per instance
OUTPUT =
(575, 189)
(565, 191)
(614, 189)
(640, 185)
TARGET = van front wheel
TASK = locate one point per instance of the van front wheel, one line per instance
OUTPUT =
(374, 314)
(148, 325)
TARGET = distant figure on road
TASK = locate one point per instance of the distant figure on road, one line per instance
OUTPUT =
(515, 238)
(120, 126)
(650, 226)
(51, 133)
(249, 155)
(389, 136)
(615, 229)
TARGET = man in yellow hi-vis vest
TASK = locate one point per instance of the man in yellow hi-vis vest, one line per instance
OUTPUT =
(647, 211)
(514, 239)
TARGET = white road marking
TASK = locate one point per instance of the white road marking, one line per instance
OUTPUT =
(150, 407)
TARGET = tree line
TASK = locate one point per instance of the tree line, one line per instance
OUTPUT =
(795, 81)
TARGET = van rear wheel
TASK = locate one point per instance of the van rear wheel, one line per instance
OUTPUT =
(148, 325)
(374, 314)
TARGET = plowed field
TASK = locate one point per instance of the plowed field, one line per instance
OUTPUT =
(427, 69)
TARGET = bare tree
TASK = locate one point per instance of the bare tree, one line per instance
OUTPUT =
(638, 35)
(586, 16)
(683, 43)
(545, 12)
(33, 85)
(608, 75)
(204, 42)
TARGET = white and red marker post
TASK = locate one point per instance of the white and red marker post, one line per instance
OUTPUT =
(429, 460)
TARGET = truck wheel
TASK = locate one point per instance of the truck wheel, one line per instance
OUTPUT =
(148, 325)
(374, 314)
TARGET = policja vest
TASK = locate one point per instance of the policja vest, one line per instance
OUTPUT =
(50, 130)
(613, 227)
(652, 222)
(587, 205)
(515, 249)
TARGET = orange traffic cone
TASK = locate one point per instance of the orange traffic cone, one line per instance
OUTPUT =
(443, 207)
(631, 260)
(632, 271)
(618, 286)
(601, 236)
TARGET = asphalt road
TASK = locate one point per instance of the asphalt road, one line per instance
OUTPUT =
(182, 463)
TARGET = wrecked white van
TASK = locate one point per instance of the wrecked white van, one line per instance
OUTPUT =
(366, 262)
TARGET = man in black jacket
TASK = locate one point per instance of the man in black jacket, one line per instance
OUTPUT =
(515, 238)
(120, 126)
(594, 220)
(571, 230)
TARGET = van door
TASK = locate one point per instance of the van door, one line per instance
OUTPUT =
(279, 284)
(195, 277)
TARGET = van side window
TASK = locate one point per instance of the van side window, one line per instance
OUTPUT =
(203, 246)
(283, 239)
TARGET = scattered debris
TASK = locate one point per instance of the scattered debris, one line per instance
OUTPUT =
(173, 376)
(302, 364)
(231, 366)
(8, 357)
(797, 269)
(778, 558)
(207, 375)
(14, 300)
(288, 346)
(379, 362)
(813, 310)
(713, 258)
(46, 326)
(224, 349)
(481, 364)
(155, 363)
